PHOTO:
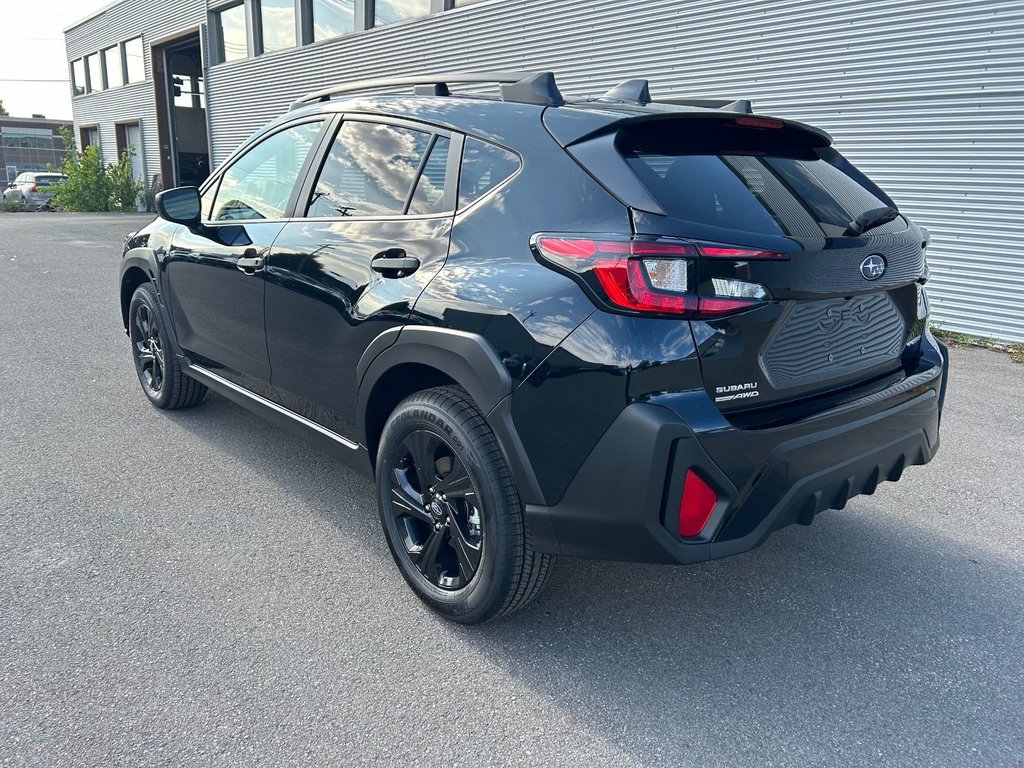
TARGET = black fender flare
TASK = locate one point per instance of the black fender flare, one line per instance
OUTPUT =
(471, 362)
(146, 260)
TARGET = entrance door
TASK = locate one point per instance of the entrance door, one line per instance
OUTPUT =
(129, 136)
(180, 87)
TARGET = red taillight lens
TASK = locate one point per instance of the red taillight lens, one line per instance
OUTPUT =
(654, 276)
(738, 254)
(33, 188)
(698, 503)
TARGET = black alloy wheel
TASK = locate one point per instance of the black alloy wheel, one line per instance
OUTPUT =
(160, 374)
(148, 349)
(450, 511)
(437, 510)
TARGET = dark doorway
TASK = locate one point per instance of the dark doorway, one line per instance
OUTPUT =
(181, 98)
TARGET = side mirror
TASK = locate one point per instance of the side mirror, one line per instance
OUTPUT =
(180, 205)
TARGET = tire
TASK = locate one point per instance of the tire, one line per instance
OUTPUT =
(162, 379)
(461, 542)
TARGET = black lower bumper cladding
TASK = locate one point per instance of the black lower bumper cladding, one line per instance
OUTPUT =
(624, 501)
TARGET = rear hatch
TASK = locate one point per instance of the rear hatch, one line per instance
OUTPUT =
(807, 273)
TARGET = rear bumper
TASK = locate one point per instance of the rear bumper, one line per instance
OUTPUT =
(623, 503)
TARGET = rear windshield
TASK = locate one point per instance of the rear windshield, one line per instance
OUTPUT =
(773, 181)
(47, 180)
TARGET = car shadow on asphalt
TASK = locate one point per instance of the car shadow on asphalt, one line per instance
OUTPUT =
(861, 639)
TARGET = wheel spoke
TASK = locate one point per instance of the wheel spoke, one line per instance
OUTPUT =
(467, 553)
(145, 356)
(426, 555)
(405, 500)
(421, 446)
(157, 371)
(455, 481)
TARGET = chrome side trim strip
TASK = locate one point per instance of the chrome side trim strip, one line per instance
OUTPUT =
(221, 381)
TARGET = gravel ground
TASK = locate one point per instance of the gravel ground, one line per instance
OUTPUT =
(200, 588)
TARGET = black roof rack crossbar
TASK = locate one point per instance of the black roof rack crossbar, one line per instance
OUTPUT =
(528, 87)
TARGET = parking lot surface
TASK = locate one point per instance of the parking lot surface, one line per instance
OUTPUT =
(201, 588)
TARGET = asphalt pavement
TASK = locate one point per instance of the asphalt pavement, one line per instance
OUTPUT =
(199, 588)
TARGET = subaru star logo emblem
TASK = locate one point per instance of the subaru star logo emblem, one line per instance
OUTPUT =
(873, 267)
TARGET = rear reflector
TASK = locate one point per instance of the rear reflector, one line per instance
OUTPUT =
(698, 503)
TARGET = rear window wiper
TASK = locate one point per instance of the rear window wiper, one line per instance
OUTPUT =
(876, 217)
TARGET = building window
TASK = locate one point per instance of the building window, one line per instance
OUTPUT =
(460, 3)
(95, 72)
(278, 24)
(77, 77)
(112, 67)
(134, 63)
(231, 39)
(333, 18)
(90, 137)
(390, 11)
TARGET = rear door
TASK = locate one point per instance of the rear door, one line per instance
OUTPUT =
(786, 218)
(215, 280)
(372, 228)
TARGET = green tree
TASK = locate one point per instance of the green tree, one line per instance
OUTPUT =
(91, 183)
(3, 112)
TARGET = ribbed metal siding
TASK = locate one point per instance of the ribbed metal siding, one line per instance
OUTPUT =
(128, 20)
(926, 97)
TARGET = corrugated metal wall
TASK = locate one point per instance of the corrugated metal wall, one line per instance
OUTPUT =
(125, 21)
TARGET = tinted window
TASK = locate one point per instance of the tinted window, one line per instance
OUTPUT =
(332, 18)
(77, 77)
(278, 24)
(259, 183)
(369, 171)
(429, 194)
(92, 63)
(112, 62)
(133, 60)
(231, 34)
(390, 11)
(484, 166)
(774, 181)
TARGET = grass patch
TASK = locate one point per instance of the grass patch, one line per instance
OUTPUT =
(957, 339)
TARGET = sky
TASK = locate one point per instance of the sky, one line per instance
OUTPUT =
(33, 64)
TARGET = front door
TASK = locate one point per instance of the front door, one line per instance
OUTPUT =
(372, 232)
(216, 277)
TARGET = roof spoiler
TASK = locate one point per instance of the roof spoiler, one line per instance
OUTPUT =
(521, 87)
(639, 92)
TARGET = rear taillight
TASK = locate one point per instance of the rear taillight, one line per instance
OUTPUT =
(33, 188)
(654, 276)
(699, 500)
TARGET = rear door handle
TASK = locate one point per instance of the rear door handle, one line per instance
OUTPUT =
(394, 262)
(250, 264)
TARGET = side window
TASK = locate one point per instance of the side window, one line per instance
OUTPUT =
(484, 166)
(369, 171)
(428, 196)
(259, 183)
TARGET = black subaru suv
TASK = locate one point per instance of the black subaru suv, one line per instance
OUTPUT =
(613, 328)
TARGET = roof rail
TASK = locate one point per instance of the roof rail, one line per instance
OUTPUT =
(526, 87)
